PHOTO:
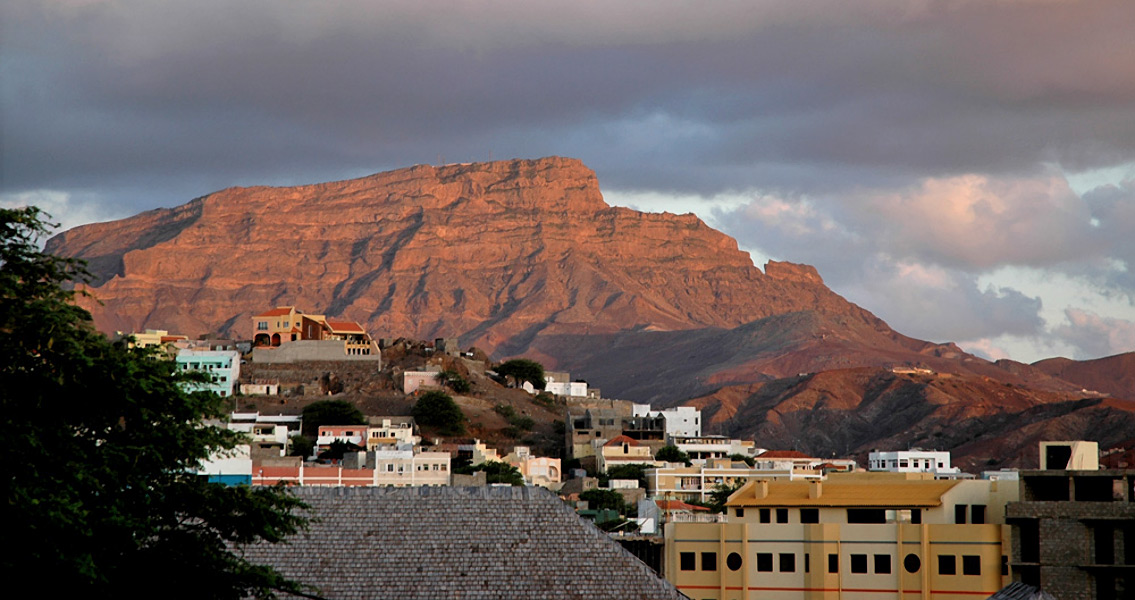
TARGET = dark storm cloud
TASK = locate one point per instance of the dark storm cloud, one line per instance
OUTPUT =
(653, 95)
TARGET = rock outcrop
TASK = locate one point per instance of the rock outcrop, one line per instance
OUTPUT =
(496, 253)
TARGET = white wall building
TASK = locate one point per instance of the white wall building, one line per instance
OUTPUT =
(391, 433)
(705, 447)
(574, 389)
(911, 461)
(400, 468)
(681, 421)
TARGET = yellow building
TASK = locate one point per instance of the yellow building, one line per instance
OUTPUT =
(853, 536)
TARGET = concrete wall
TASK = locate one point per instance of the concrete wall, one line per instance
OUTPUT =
(303, 350)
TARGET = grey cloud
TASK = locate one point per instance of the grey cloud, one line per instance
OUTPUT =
(783, 94)
(1094, 336)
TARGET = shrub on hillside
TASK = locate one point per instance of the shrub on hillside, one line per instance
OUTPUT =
(437, 409)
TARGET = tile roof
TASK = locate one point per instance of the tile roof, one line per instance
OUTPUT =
(678, 505)
(622, 439)
(345, 326)
(1021, 591)
(277, 312)
(450, 542)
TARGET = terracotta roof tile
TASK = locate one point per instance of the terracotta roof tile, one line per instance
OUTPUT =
(277, 312)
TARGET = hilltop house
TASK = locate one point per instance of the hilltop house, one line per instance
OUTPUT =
(287, 334)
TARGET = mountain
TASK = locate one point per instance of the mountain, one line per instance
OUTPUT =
(986, 423)
(524, 257)
(499, 254)
(1112, 375)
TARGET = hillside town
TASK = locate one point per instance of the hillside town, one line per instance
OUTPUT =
(712, 517)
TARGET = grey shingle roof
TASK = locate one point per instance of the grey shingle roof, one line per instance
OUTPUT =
(1021, 591)
(447, 542)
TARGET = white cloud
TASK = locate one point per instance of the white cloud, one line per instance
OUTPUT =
(62, 208)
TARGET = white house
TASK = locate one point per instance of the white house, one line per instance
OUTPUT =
(681, 421)
(911, 461)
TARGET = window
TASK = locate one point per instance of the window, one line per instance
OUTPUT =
(709, 561)
(764, 562)
(787, 563)
(858, 563)
(262, 326)
(911, 563)
(733, 561)
(782, 515)
(833, 563)
(809, 515)
(740, 512)
(960, 514)
(883, 563)
(971, 565)
(807, 563)
(866, 515)
(977, 514)
(766, 515)
(686, 561)
(916, 516)
(947, 564)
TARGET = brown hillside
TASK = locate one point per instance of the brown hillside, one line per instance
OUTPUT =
(985, 423)
(1111, 375)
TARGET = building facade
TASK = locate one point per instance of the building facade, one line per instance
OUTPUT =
(853, 536)
(222, 367)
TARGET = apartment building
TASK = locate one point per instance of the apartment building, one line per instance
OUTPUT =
(855, 536)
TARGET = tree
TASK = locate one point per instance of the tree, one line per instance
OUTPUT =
(495, 472)
(721, 493)
(599, 499)
(101, 443)
(738, 457)
(521, 370)
(330, 412)
(672, 454)
(302, 446)
(454, 381)
(437, 409)
(631, 471)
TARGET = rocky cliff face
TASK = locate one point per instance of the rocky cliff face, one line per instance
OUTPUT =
(496, 253)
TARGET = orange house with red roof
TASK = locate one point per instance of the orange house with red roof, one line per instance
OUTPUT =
(286, 324)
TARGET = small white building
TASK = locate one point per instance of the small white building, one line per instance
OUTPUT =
(413, 381)
(681, 421)
(911, 461)
(705, 447)
(391, 433)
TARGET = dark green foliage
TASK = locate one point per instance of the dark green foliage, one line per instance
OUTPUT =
(720, 494)
(100, 442)
(495, 472)
(518, 424)
(599, 499)
(301, 445)
(330, 412)
(521, 370)
(748, 460)
(455, 381)
(337, 449)
(632, 471)
(672, 454)
(437, 409)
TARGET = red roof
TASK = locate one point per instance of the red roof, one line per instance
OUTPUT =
(782, 454)
(277, 312)
(622, 439)
(678, 505)
(343, 326)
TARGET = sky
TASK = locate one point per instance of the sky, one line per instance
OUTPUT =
(963, 169)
